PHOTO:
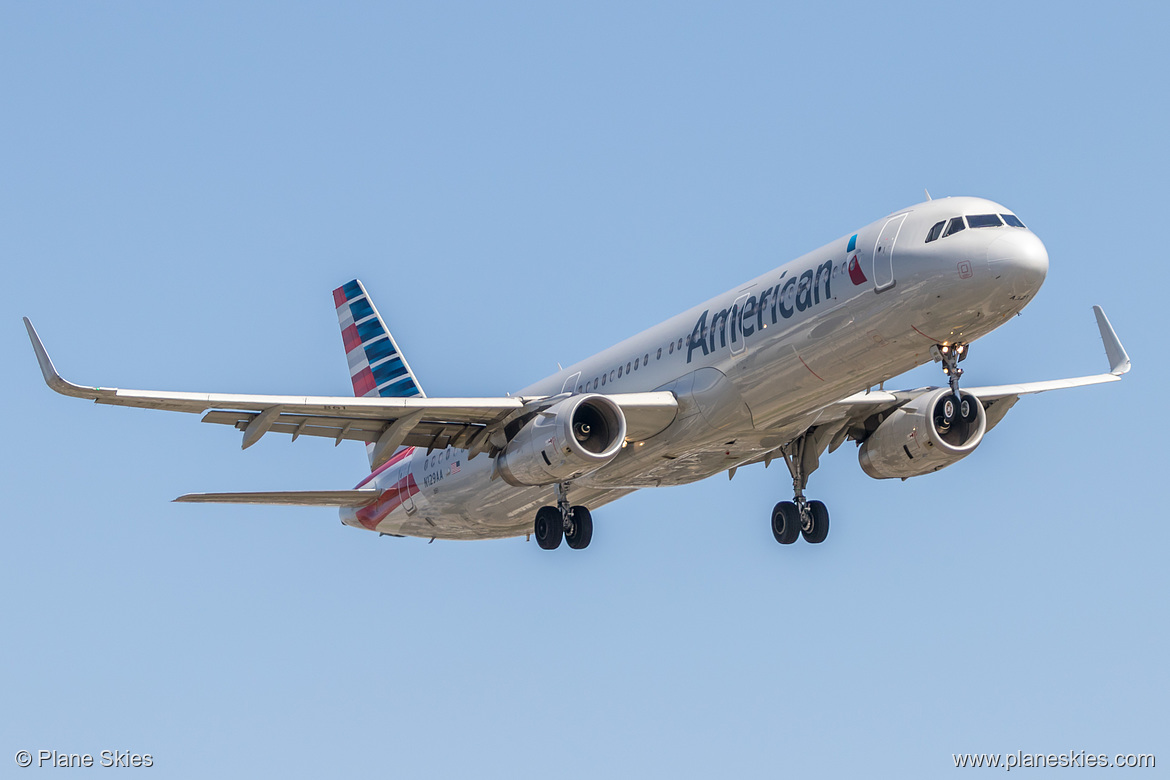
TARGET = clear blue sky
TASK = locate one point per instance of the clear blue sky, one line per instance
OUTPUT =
(181, 187)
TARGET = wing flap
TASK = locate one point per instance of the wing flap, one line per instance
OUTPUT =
(334, 498)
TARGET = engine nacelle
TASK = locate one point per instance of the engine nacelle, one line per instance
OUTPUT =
(569, 439)
(916, 439)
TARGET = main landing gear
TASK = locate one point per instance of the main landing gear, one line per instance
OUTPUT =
(956, 407)
(801, 517)
(572, 523)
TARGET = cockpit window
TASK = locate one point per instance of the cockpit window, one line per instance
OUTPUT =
(935, 231)
(983, 220)
(1012, 220)
(955, 226)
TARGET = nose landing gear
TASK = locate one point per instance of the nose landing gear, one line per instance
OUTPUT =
(950, 355)
(574, 524)
(956, 407)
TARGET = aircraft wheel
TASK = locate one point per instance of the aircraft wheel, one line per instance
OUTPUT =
(818, 523)
(581, 530)
(786, 522)
(549, 528)
(946, 413)
(967, 412)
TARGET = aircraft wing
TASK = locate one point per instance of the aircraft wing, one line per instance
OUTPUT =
(1119, 364)
(996, 399)
(434, 423)
(859, 414)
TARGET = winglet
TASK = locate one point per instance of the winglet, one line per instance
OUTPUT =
(52, 378)
(1118, 359)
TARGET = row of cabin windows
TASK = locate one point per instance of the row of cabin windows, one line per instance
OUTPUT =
(628, 368)
(955, 224)
(434, 460)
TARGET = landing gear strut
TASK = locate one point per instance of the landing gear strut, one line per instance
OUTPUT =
(956, 407)
(572, 523)
(800, 517)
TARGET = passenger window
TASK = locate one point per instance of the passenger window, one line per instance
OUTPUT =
(983, 220)
(645, 359)
(680, 343)
(935, 231)
(619, 372)
(603, 380)
(955, 226)
(628, 365)
(594, 383)
(1012, 220)
(659, 354)
(670, 349)
(611, 375)
(636, 363)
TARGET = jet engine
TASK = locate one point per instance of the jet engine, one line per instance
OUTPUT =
(569, 439)
(929, 433)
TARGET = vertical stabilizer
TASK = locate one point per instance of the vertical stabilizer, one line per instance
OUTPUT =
(376, 366)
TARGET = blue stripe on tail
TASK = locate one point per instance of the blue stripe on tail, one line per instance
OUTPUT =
(379, 368)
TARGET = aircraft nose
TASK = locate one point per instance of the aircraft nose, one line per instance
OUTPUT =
(1020, 260)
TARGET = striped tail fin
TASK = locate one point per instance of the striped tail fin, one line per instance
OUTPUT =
(376, 366)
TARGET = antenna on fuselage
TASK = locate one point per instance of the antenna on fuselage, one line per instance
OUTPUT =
(927, 193)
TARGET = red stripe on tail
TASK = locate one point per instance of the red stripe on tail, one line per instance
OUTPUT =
(351, 338)
(363, 382)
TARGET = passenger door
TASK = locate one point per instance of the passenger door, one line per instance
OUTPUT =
(883, 254)
(402, 482)
(735, 326)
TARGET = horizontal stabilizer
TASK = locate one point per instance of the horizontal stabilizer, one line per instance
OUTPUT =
(336, 498)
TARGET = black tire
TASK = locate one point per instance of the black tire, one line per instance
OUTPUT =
(819, 523)
(549, 528)
(581, 531)
(967, 411)
(949, 409)
(786, 522)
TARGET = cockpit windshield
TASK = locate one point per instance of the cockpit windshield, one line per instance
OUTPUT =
(955, 224)
(984, 221)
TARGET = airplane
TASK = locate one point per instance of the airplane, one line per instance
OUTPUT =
(783, 366)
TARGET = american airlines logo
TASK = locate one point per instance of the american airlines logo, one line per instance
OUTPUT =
(799, 293)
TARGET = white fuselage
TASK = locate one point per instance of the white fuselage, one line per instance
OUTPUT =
(751, 368)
